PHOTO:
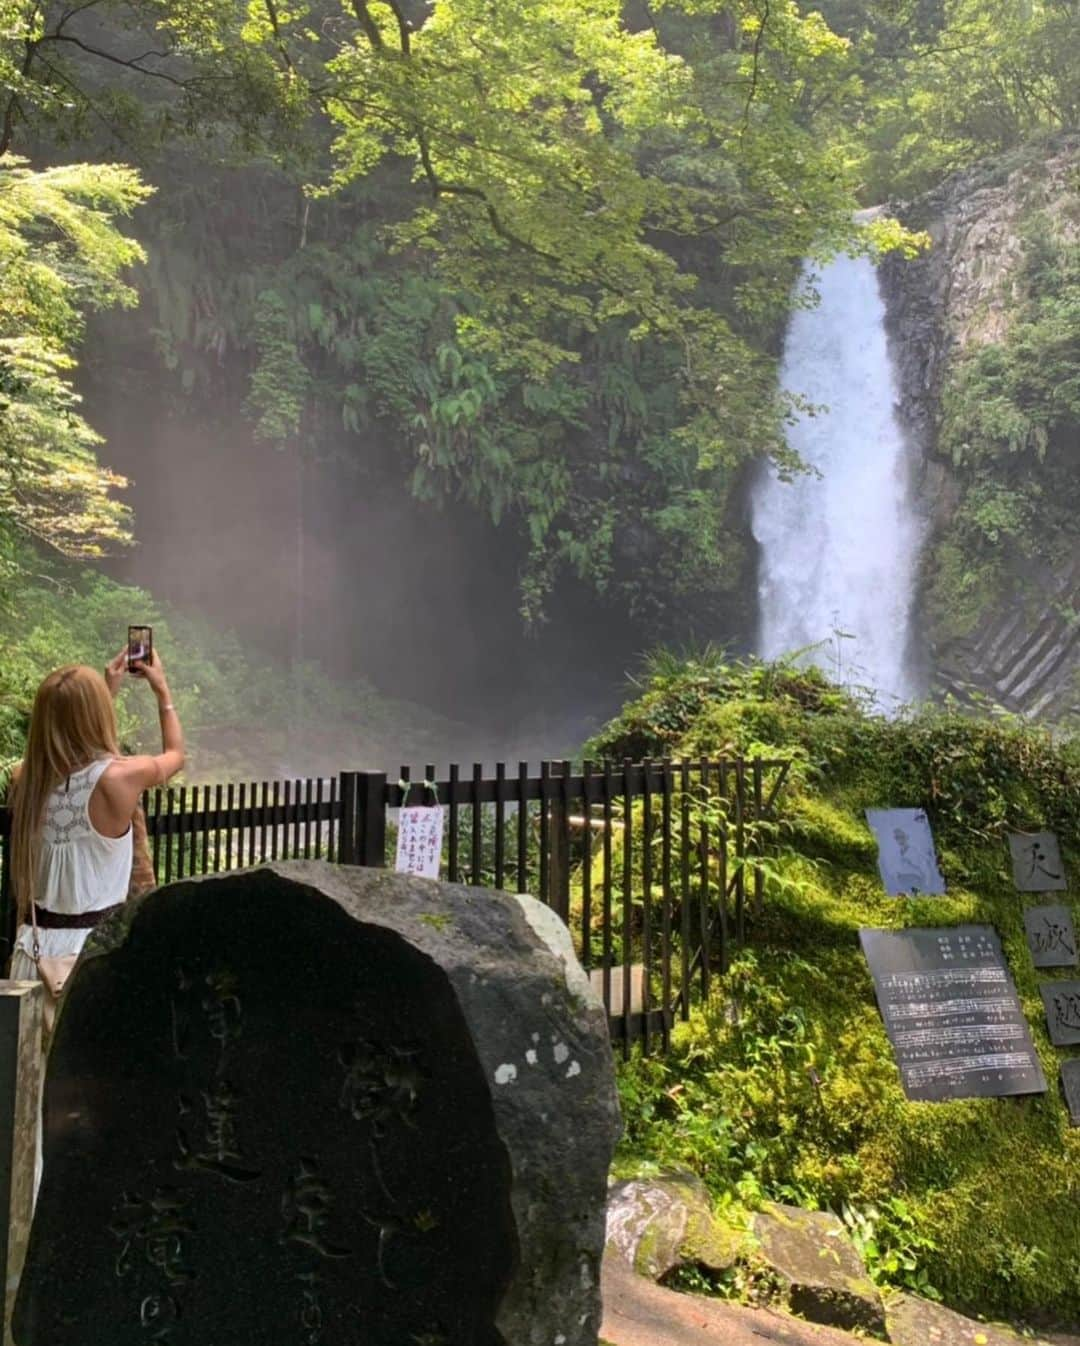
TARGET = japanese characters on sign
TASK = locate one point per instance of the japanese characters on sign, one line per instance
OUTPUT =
(419, 841)
(1036, 861)
(952, 1013)
(283, 1133)
(1051, 937)
(1062, 1002)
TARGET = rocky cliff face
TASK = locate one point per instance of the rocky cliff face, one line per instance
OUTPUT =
(1025, 653)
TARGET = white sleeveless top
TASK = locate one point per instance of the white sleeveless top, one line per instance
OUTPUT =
(78, 868)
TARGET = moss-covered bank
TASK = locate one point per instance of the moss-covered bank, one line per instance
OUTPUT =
(787, 1087)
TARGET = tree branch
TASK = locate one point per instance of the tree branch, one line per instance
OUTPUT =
(69, 14)
(404, 36)
(113, 130)
(118, 60)
(759, 38)
(368, 24)
(275, 24)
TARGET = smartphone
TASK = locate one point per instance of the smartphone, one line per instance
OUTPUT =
(140, 645)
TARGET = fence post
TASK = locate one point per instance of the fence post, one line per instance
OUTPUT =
(559, 842)
(20, 1089)
(8, 924)
(371, 819)
(346, 837)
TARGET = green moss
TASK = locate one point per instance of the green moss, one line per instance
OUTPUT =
(786, 1087)
(437, 921)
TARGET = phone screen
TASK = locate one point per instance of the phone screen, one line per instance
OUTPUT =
(140, 644)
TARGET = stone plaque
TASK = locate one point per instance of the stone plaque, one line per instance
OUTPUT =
(952, 1013)
(1051, 937)
(1036, 862)
(1070, 1085)
(906, 858)
(1062, 1002)
(314, 1106)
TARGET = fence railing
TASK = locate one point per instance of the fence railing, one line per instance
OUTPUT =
(654, 865)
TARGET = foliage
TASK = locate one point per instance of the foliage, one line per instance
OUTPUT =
(546, 247)
(60, 253)
(1009, 419)
(891, 1245)
(943, 85)
(785, 1087)
(242, 711)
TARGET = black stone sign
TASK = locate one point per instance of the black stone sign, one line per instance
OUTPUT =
(1062, 1002)
(952, 1013)
(1036, 862)
(301, 1106)
(1070, 1084)
(1051, 937)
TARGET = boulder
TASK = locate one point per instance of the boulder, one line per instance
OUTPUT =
(918, 1322)
(305, 1104)
(657, 1225)
(814, 1260)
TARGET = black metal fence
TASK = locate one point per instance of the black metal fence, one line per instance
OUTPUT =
(654, 866)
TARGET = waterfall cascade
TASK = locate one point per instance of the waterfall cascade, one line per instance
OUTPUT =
(839, 546)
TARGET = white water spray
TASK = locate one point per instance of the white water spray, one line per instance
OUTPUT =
(839, 550)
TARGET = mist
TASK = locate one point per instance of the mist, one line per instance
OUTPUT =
(343, 568)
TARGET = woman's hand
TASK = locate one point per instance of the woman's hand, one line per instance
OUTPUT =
(154, 672)
(114, 673)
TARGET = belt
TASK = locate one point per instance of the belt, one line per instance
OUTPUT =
(76, 920)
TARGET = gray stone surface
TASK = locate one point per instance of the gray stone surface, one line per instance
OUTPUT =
(811, 1255)
(658, 1224)
(548, 926)
(917, 1322)
(639, 1313)
(1025, 651)
(306, 1104)
(20, 1087)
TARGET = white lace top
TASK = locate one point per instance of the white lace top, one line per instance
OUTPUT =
(79, 869)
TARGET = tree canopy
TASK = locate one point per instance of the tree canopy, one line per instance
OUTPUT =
(534, 255)
(60, 254)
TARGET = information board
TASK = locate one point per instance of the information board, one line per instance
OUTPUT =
(419, 841)
(952, 1013)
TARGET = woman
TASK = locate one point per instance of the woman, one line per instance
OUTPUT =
(73, 797)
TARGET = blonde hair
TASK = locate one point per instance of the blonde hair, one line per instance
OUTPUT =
(73, 723)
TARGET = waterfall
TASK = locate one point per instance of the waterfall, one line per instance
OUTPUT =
(839, 546)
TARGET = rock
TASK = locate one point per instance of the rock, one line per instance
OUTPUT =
(638, 1312)
(1024, 650)
(811, 1255)
(659, 1224)
(918, 1322)
(548, 927)
(306, 1104)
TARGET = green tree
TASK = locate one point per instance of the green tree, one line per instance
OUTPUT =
(948, 82)
(567, 300)
(60, 254)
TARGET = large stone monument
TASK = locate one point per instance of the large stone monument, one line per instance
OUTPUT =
(20, 1084)
(321, 1106)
